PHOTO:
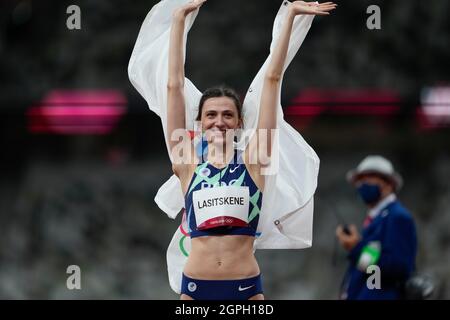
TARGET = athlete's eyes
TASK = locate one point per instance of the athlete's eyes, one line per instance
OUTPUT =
(211, 115)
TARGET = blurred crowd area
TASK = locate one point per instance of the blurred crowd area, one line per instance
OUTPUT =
(228, 43)
(85, 197)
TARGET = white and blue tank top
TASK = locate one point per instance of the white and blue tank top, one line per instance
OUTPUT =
(234, 174)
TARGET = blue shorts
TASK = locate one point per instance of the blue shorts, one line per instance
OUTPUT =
(242, 289)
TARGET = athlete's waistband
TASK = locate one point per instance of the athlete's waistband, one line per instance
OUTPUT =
(241, 289)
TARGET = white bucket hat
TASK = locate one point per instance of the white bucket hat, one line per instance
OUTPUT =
(376, 165)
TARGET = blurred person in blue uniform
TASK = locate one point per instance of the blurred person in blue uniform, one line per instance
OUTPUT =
(388, 238)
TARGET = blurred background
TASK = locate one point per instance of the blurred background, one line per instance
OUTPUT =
(82, 156)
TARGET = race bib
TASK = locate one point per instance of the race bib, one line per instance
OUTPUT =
(221, 206)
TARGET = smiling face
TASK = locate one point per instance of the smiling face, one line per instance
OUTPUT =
(219, 114)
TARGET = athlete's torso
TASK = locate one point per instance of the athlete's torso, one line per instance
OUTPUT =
(235, 174)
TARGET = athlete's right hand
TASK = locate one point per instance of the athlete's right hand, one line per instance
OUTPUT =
(183, 11)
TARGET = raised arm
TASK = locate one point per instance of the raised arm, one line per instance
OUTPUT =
(272, 81)
(175, 83)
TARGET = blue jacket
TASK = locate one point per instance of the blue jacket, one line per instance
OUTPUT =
(394, 228)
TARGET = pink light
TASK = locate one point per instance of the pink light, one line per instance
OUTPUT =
(370, 102)
(367, 110)
(71, 111)
(372, 96)
(77, 112)
(435, 109)
(304, 110)
(95, 97)
(356, 110)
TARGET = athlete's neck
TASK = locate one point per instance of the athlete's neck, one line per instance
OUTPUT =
(220, 155)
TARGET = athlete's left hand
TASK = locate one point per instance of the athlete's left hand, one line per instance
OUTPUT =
(312, 8)
(188, 8)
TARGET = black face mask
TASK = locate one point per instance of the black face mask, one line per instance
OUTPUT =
(369, 193)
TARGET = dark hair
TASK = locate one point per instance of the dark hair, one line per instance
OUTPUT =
(220, 91)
